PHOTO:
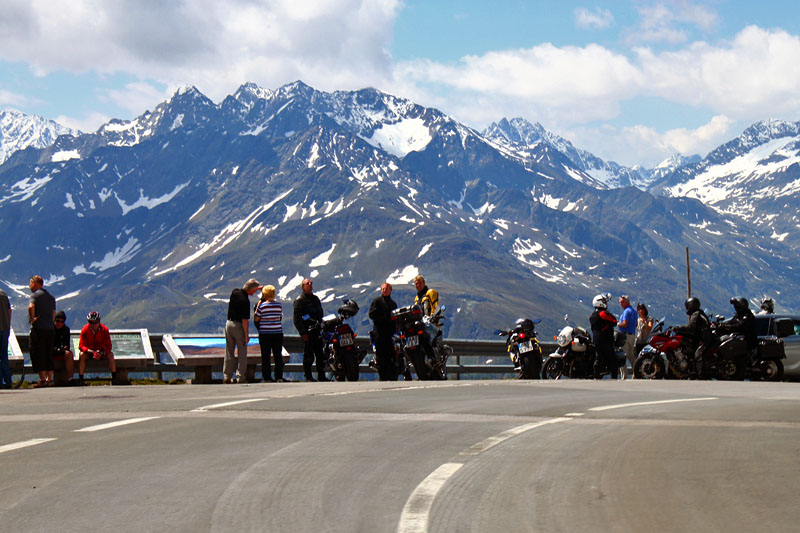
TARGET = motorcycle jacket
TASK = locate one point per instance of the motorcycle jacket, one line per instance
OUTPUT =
(428, 300)
(743, 323)
(602, 323)
(698, 330)
(307, 304)
(380, 311)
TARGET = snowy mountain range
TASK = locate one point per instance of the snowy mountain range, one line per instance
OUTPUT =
(154, 220)
(19, 131)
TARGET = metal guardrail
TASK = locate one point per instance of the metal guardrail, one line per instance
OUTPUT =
(462, 348)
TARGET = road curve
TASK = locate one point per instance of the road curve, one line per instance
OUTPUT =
(397, 457)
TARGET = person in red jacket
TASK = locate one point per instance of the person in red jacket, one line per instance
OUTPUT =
(95, 343)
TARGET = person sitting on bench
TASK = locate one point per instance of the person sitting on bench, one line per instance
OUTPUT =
(95, 343)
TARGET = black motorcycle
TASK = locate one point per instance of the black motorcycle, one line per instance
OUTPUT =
(763, 363)
(420, 341)
(338, 339)
(523, 348)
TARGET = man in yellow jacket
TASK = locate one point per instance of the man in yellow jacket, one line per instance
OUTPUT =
(427, 299)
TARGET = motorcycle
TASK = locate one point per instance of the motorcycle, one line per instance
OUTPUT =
(523, 348)
(338, 340)
(574, 357)
(420, 342)
(763, 363)
(668, 355)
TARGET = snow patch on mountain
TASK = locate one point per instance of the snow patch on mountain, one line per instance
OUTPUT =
(323, 258)
(401, 138)
(403, 276)
(144, 201)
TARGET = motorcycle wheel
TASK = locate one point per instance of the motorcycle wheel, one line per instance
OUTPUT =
(553, 368)
(730, 370)
(770, 370)
(350, 365)
(649, 367)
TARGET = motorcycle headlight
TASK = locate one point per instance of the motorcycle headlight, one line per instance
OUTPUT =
(563, 340)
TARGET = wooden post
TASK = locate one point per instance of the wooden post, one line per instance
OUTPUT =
(688, 274)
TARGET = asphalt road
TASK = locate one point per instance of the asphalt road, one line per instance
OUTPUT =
(396, 457)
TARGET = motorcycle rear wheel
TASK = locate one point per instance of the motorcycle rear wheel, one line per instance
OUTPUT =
(771, 370)
(649, 367)
(730, 370)
(553, 368)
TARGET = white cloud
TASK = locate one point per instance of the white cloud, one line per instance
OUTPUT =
(88, 123)
(670, 21)
(330, 44)
(8, 98)
(598, 18)
(644, 145)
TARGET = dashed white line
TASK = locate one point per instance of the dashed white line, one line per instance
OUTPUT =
(227, 404)
(118, 423)
(23, 444)
(636, 404)
(417, 509)
(494, 440)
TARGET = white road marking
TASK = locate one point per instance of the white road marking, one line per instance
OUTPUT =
(636, 404)
(574, 414)
(227, 404)
(23, 444)
(417, 509)
(118, 423)
(494, 440)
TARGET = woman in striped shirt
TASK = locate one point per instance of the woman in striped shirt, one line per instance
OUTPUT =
(269, 316)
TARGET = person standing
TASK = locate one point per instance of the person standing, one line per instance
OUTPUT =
(627, 326)
(644, 325)
(41, 312)
(603, 323)
(268, 317)
(380, 311)
(5, 331)
(427, 299)
(308, 321)
(236, 331)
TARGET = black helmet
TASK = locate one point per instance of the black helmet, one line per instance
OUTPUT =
(93, 317)
(61, 315)
(768, 305)
(739, 304)
(524, 324)
(691, 304)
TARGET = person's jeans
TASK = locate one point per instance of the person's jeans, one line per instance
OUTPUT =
(271, 343)
(235, 339)
(5, 369)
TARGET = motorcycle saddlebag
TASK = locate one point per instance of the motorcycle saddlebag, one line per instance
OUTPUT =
(732, 346)
(770, 347)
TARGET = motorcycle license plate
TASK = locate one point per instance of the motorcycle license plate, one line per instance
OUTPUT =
(346, 339)
(525, 347)
(412, 341)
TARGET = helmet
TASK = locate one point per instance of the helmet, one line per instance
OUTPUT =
(692, 304)
(601, 301)
(93, 316)
(524, 324)
(61, 315)
(768, 305)
(739, 304)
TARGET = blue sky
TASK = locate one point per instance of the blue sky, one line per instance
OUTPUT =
(633, 81)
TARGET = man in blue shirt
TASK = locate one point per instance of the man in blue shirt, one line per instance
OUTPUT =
(627, 325)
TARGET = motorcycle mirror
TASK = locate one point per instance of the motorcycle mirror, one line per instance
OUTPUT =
(444, 307)
(365, 322)
(566, 318)
(498, 332)
(537, 320)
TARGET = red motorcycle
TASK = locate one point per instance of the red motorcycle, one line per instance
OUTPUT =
(667, 355)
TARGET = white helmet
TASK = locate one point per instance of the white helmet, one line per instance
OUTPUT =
(601, 301)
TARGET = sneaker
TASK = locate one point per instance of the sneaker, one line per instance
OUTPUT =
(228, 381)
(284, 380)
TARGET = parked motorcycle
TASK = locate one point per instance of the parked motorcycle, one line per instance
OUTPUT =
(421, 343)
(668, 355)
(763, 363)
(338, 338)
(523, 348)
(574, 357)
